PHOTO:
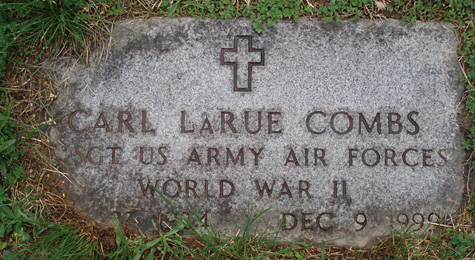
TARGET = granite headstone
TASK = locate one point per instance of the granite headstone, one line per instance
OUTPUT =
(342, 130)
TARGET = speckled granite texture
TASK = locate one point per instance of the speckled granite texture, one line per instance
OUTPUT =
(344, 127)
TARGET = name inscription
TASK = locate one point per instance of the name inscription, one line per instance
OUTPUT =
(395, 124)
(255, 123)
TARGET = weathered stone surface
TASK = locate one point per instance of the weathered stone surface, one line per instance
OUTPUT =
(358, 125)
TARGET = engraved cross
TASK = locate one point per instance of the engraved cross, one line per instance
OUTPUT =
(242, 54)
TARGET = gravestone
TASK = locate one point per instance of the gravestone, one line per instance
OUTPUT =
(343, 130)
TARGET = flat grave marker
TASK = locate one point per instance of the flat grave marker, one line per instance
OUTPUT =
(344, 130)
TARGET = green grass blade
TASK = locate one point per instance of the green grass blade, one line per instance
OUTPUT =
(6, 145)
(120, 237)
(195, 4)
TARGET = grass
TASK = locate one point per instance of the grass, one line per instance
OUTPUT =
(56, 241)
(243, 245)
(36, 222)
(208, 243)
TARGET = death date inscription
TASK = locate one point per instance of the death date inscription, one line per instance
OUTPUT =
(290, 220)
